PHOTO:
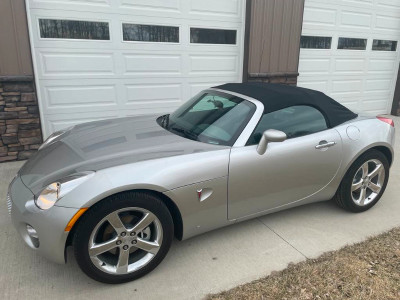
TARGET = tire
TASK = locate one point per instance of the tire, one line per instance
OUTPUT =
(134, 209)
(347, 199)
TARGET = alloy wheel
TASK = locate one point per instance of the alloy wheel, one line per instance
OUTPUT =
(125, 240)
(367, 182)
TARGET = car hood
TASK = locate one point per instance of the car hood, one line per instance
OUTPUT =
(103, 144)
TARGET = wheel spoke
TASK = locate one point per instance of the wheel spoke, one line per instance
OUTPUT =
(151, 247)
(356, 186)
(364, 168)
(123, 261)
(118, 233)
(116, 222)
(363, 194)
(144, 222)
(374, 187)
(376, 171)
(97, 249)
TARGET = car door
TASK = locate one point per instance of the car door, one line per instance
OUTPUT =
(288, 171)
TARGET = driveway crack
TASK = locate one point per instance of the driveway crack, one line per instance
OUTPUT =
(282, 238)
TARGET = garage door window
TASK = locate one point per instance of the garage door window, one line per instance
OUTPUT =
(71, 29)
(212, 36)
(315, 42)
(352, 44)
(382, 45)
(295, 121)
(150, 33)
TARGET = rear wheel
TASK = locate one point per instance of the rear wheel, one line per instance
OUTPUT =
(123, 237)
(364, 183)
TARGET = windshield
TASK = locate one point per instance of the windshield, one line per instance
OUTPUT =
(210, 117)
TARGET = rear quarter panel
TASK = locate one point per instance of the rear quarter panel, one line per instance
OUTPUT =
(360, 136)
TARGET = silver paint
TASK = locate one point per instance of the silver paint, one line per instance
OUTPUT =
(353, 132)
(136, 153)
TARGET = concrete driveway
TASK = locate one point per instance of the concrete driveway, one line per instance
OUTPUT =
(206, 264)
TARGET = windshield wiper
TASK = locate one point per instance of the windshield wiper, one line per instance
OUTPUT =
(186, 133)
(164, 121)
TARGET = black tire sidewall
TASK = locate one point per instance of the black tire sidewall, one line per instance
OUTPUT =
(345, 190)
(96, 213)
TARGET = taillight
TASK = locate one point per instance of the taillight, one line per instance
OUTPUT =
(386, 120)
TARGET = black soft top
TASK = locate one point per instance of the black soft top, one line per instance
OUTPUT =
(278, 96)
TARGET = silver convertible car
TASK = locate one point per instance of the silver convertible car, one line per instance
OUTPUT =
(119, 190)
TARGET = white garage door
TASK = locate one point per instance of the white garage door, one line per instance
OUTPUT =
(97, 59)
(351, 52)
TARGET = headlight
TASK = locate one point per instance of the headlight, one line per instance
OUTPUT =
(53, 137)
(56, 190)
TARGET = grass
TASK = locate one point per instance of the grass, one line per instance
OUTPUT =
(367, 270)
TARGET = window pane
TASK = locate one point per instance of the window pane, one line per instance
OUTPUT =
(295, 121)
(212, 36)
(212, 117)
(315, 42)
(150, 33)
(352, 44)
(382, 45)
(69, 29)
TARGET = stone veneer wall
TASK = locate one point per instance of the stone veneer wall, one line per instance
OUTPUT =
(20, 131)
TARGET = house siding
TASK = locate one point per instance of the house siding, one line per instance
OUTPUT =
(275, 30)
(20, 131)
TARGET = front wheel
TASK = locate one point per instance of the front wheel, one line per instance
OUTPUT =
(123, 237)
(364, 182)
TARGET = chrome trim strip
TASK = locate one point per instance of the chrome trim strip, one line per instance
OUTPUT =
(9, 203)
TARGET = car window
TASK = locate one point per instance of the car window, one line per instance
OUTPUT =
(295, 121)
(212, 117)
(212, 102)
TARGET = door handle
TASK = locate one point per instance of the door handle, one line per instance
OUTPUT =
(325, 144)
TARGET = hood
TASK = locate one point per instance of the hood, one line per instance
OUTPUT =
(103, 144)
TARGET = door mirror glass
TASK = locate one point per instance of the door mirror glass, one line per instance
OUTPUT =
(270, 136)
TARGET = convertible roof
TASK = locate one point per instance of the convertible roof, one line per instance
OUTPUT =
(278, 96)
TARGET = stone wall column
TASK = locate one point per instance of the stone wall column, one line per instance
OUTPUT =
(20, 130)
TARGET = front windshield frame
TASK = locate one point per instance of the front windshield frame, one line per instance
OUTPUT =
(167, 121)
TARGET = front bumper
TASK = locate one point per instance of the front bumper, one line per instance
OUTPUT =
(49, 224)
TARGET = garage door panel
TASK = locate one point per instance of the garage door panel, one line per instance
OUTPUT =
(89, 5)
(152, 5)
(349, 66)
(214, 64)
(352, 77)
(374, 105)
(152, 64)
(84, 79)
(381, 65)
(378, 85)
(143, 93)
(76, 64)
(87, 95)
(314, 66)
(346, 87)
(362, 3)
(391, 4)
(220, 7)
(389, 23)
(355, 19)
(319, 16)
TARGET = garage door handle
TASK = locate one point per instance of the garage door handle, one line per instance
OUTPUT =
(325, 144)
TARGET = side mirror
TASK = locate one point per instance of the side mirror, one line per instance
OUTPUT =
(269, 136)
